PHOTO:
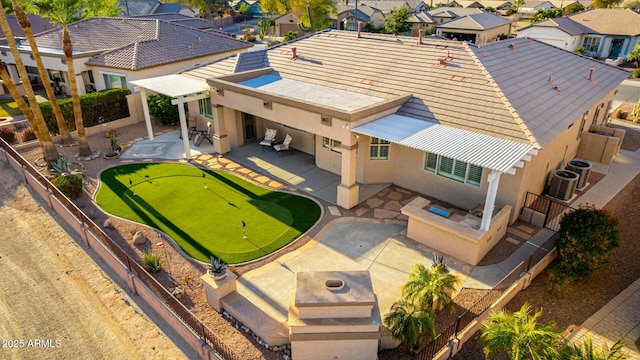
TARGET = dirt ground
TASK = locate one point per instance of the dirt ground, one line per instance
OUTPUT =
(56, 303)
(185, 273)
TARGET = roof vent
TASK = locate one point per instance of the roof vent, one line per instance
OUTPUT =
(359, 29)
(366, 81)
(441, 62)
(420, 37)
(457, 78)
(512, 46)
(591, 76)
(441, 46)
(449, 57)
(199, 38)
(294, 54)
(556, 88)
(550, 82)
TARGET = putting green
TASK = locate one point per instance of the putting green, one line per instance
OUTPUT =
(204, 211)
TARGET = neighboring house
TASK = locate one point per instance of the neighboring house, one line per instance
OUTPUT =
(254, 6)
(443, 14)
(286, 23)
(588, 4)
(347, 17)
(110, 52)
(530, 7)
(149, 7)
(385, 6)
(605, 33)
(451, 120)
(469, 4)
(422, 21)
(475, 28)
(500, 6)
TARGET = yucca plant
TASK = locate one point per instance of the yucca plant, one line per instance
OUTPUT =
(152, 261)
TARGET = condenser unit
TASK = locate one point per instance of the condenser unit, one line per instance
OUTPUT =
(581, 168)
(563, 184)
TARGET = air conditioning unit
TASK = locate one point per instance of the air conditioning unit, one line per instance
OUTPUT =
(563, 184)
(581, 168)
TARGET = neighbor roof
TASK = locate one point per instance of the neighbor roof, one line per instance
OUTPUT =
(479, 89)
(180, 19)
(38, 25)
(138, 43)
(565, 24)
(482, 21)
(137, 7)
(610, 21)
(453, 12)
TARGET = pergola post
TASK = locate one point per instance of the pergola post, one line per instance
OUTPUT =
(487, 213)
(348, 189)
(145, 110)
(183, 126)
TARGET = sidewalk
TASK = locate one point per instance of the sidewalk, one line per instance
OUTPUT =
(618, 319)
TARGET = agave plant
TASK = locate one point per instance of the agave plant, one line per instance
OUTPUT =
(59, 167)
(216, 266)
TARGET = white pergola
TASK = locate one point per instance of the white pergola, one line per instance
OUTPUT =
(182, 89)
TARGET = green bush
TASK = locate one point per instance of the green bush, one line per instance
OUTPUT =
(161, 108)
(581, 50)
(69, 184)
(635, 74)
(290, 35)
(587, 236)
(109, 104)
(8, 135)
(152, 261)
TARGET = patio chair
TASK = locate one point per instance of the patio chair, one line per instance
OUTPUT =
(269, 138)
(285, 145)
(192, 126)
(203, 135)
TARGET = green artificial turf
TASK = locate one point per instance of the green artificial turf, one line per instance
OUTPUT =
(205, 215)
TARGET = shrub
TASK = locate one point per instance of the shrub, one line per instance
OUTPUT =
(161, 108)
(635, 74)
(587, 236)
(69, 184)
(152, 261)
(290, 35)
(581, 50)
(109, 104)
(8, 135)
(28, 135)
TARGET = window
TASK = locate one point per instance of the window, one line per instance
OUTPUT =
(582, 122)
(597, 113)
(90, 73)
(205, 107)
(591, 44)
(453, 169)
(114, 81)
(32, 70)
(350, 27)
(55, 75)
(379, 149)
(331, 144)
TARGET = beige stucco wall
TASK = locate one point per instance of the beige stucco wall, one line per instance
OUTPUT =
(552, 36)
(537, 172)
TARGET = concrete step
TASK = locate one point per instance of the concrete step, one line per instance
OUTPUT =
(273, 332)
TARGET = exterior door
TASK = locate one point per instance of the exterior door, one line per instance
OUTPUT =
(249, 124)
(616, 45)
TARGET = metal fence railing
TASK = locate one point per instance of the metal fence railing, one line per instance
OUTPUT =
(198, 328)
(552, 210)
(429, 350)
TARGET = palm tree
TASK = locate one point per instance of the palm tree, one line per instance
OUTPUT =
(64, 12)
(407, 321)
(33, 115)
(425, 285)
(634, 55)
(519, 334)
(65, 136)
(585, 351)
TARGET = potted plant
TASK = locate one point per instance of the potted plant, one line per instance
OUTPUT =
(217, 268)
(114, 148)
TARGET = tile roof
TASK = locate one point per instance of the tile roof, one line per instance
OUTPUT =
(385, 5)
(180, 19)
(468, 3)
(421, 18)
(38, 25)
(482, 21)
(137, 7)
(453, 12)
(480, 89)
(137, 43)
(610, 21)
(170, 8)
(565, 24)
